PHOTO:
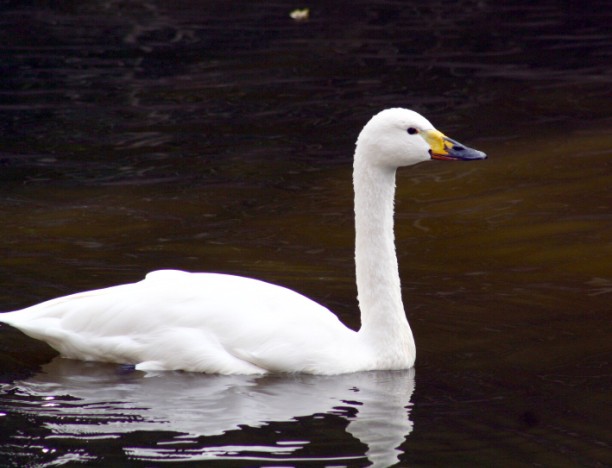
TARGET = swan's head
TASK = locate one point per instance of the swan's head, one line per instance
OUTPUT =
(401, 137)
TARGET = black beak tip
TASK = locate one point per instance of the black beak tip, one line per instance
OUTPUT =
(457, 151)
(471, 155)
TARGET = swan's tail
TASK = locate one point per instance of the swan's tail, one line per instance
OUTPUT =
(7, 317)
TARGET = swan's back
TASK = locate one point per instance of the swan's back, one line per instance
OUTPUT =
(202, 322)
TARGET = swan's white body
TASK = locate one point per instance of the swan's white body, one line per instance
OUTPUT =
(215, 323)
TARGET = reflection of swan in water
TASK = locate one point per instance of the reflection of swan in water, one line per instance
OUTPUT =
(84, 400)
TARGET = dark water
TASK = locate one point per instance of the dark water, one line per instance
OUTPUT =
(214, 136)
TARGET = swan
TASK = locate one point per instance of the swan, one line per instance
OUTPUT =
(225, 324)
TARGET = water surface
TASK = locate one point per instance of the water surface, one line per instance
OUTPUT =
(206, 137)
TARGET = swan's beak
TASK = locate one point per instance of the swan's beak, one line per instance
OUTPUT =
(442, 147)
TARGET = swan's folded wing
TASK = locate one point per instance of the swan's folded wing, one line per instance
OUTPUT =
(191, 321)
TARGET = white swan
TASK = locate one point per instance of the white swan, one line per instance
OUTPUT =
(207, 322)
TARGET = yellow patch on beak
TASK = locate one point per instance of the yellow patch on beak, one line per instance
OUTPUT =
(436, 141)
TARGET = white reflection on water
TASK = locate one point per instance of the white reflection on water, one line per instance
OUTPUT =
(90, 400)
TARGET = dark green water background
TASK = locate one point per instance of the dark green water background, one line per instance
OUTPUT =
(218, 136)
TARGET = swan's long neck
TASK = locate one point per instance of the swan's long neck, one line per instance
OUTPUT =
(383, 320)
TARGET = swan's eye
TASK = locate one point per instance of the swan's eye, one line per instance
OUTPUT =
(412, 131)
